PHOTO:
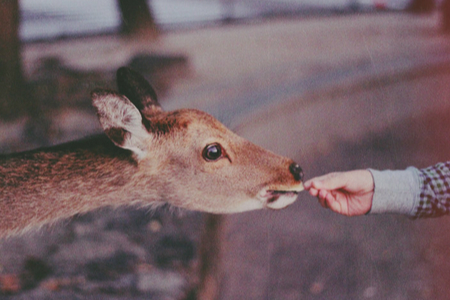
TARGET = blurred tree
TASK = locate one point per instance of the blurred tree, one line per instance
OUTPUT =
(137, 18)
(421, 6)
(210, 253)
(12, 85)
(446, 16)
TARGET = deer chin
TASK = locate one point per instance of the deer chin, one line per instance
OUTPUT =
(279, 198)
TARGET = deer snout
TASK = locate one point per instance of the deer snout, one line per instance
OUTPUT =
(296, 171)
(281, 194)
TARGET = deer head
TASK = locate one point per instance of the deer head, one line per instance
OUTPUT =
(188, 157)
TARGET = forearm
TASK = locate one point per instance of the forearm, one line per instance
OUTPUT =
(395, 191)
(413, 192)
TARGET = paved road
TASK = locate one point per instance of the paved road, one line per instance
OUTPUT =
(367, 110)
(374, 116)
(305, 252)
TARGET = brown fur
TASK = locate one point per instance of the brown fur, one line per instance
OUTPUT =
(154, 158)
(44, 185)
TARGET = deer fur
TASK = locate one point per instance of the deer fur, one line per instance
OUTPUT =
(147, 156)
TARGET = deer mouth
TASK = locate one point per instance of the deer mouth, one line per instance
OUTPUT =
(280, 198)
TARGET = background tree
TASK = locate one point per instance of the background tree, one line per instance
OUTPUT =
(446, 16)
(14, 99)
(12, 86)
(421, 6)
(137, 18)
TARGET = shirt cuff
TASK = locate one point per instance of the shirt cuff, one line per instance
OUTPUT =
(395, 191)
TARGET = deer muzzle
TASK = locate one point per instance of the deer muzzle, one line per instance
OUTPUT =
(280, 197)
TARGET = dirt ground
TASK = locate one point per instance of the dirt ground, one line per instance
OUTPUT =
(333, 93)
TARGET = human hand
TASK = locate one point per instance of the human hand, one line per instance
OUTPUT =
(348, 193)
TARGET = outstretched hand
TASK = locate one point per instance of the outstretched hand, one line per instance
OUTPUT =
(348, 193)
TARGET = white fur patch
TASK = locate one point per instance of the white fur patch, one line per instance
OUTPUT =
(283, 201)
(251, 204)
(116, 111)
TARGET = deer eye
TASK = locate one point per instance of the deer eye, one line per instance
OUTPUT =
(212, 152)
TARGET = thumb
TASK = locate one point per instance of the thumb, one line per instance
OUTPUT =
(331, 181)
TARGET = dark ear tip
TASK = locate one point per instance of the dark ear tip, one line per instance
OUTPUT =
(126, 73)
(135, 87)
(123, 71)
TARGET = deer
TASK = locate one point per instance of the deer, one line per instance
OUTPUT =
(145, 156)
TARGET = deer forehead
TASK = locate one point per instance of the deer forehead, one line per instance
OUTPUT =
(185, 133)
(187, 122)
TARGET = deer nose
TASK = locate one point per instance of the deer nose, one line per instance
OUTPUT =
(297, 171)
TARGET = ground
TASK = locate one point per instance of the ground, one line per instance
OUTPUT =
(333, 93)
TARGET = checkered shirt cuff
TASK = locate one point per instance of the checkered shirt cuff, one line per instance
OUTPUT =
(434, 198)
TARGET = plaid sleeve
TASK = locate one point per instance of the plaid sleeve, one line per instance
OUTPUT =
(434, 198)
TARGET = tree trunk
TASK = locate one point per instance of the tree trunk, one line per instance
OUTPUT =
(137, 18)
(421, 6)
(446, 16)
(12, 86)
(210, 255)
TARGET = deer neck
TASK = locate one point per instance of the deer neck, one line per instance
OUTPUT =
(45, 185)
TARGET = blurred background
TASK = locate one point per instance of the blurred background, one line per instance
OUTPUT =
(333, 84)
(53, 19)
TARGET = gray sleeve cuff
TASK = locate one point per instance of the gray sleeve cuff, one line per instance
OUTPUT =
(395, 191)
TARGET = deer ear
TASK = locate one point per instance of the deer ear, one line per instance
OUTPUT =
(121, 120)
(134, 86)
